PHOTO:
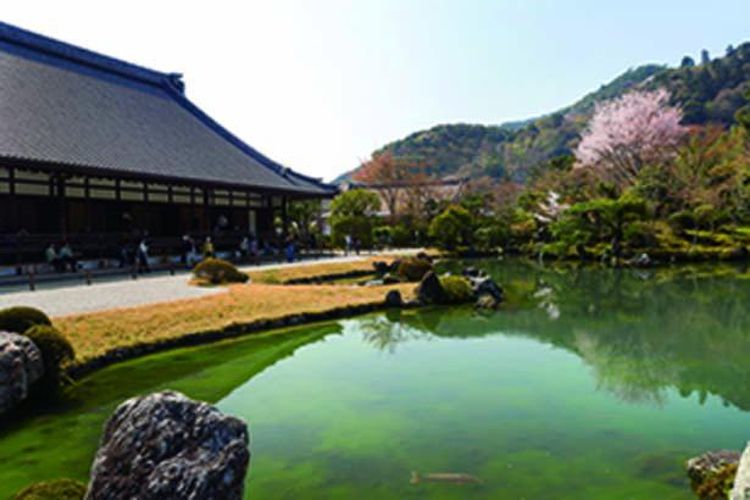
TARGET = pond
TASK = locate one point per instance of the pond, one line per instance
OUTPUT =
(589, 383)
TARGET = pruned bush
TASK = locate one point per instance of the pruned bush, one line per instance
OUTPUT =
(413, 269)
(21, 318)
(457, 289)
(58, 489)
(218, 272)
(57, 352)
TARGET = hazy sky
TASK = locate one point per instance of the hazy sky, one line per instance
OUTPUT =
(319, 84)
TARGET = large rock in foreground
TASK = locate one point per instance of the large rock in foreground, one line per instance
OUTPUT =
(21, 365)
(741, 489)
(166, 446)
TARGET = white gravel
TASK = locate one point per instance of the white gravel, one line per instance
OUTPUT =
(71, 298)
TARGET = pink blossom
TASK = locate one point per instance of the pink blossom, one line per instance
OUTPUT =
(630, 132)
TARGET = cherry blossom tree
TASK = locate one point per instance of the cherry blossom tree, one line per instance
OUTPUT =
(628, 133)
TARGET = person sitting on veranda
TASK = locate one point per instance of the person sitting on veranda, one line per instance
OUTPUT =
(208, 248)
(53, 259)
(67, 258)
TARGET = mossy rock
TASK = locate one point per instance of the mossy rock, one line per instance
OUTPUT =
(218, 272)
(57, 353)
(21, 318)
(719, 484)
(457, 289)
(414, 269)
(58, 489)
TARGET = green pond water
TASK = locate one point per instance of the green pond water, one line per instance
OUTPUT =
(588, 384)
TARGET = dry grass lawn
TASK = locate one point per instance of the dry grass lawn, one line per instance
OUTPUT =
(281, 275)
(93, 334)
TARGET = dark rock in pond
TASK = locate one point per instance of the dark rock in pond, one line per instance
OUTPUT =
(472, 272)
(380, 267)
(706, 465)
(165, 446)
(389, 279)
(393, 299)
(393, 267)
(424, 256)
(741, 488)
(430, 291)
(486, 286)
(487, 302)
(21, 365)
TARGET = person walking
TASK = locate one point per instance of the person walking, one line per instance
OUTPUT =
(187, 249)
(142, 257)
(208, 248)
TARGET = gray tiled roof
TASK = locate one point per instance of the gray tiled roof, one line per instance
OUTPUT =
(82, 109)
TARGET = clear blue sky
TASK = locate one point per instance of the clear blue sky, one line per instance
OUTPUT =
(319, 84)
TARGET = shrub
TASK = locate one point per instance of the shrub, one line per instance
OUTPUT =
(353, 213)
(413, 269)
(56, 352)
(218, 272)
(403, 237)
(457, 289)
(58, 489)
(19, 319)
(383, 235)
(452, 228)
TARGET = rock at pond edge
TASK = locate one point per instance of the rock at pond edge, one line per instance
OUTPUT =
(706, 465)
(393, 299)
(165, 445)
(429, 290)
(21, 365)
(741, 489)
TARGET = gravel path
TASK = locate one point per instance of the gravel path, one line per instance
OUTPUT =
(67, 298)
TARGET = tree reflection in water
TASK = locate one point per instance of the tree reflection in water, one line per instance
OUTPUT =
(642, 333)
(386, 332)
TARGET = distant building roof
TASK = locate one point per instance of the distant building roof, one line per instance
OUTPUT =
(64, 105)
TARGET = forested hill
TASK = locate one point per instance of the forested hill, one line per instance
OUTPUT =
(709, 91)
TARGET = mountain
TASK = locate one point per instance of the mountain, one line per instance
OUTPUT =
(709, 92)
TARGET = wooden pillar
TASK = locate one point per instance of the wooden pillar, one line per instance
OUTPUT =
(15, 225)
(13, 201)
(59, 187)
(87, 195)
(206, 212)
(284, 217)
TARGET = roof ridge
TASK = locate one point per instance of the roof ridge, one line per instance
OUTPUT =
(73, 53)
(171, 82)
(263, 160)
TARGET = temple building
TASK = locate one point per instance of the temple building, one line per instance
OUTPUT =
(94, 150)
